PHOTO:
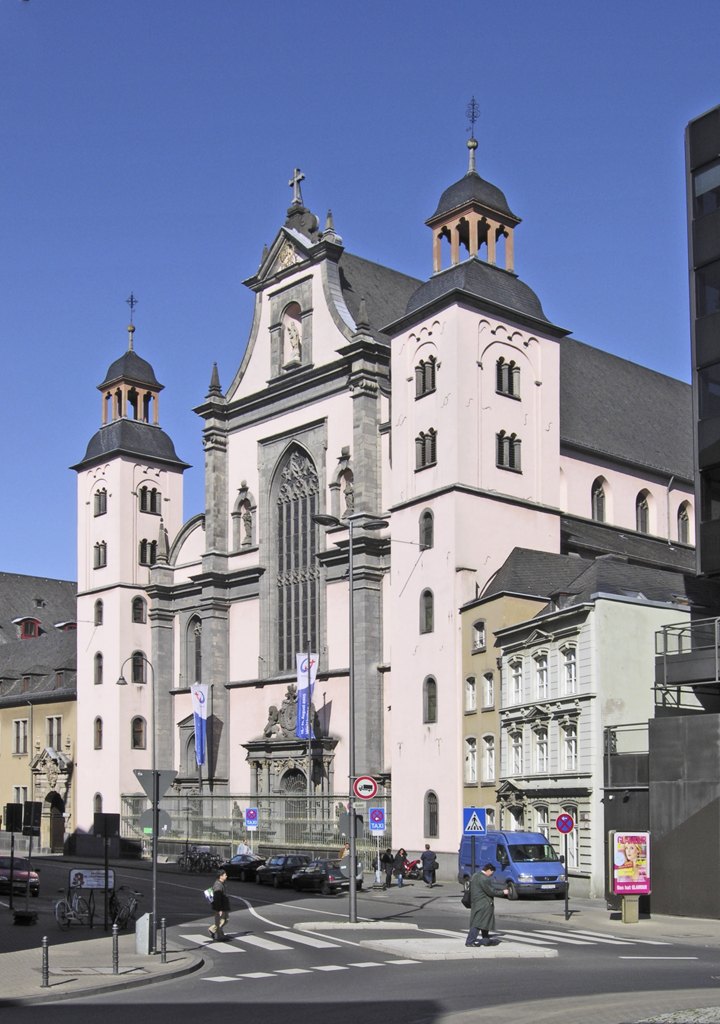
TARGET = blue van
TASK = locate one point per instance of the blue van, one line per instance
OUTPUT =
(524, 862)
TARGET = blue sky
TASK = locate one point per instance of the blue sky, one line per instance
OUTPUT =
(147, 146)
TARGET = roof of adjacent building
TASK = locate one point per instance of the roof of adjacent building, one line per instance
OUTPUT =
(48, 601)
(591, 539)
(571, 581)
(616, 408)
(134, 438)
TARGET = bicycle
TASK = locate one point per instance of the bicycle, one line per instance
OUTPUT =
(71, 908)
(124, 911)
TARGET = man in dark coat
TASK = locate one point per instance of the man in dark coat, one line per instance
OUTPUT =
(483, 890)
(386, 864)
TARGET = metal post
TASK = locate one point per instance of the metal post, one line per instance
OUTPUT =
(156, 815)
(352, 837)
(115, 950)
(45, 983)
(163, 941)
(567, 881)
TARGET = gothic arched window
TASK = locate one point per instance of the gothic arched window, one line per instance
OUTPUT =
(295, 494)
(427, 530)
(194, 650)
(598, 500)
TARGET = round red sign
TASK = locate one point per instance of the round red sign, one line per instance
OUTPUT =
(365, 787)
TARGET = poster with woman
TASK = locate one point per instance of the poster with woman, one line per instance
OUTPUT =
(630, 863)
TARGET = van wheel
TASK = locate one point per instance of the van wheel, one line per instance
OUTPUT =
(512, 891)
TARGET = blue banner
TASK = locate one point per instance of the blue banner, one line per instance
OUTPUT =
(199, 694)
(306, 672)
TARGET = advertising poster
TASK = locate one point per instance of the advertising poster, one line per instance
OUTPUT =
(630, 863)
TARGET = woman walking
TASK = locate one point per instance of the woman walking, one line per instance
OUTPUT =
(399, 865)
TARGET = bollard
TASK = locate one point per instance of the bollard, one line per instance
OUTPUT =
(163, 941)
(115, 951)
(45, 983)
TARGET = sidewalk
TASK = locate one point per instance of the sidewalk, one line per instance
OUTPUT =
(85, 968)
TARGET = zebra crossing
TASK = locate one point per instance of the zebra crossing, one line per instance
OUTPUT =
(395, 953)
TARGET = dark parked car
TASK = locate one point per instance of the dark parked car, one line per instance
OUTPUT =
(21, 873)
(279, 870)
(323, 876)
(243, 866)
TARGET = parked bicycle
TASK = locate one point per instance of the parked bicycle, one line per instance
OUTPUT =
(123, 911)
(72, 908)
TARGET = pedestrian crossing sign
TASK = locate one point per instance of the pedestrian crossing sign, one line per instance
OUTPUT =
(474, 821)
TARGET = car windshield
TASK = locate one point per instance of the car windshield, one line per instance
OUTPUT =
(18, 864)
(275, 860)
(525, 853)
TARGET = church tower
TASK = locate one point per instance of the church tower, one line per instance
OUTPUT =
(475, 472)
(129, 499)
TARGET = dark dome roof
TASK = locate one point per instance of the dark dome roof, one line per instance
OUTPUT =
(475, 277)
(472, 188)
(131, 437)
(131, 367)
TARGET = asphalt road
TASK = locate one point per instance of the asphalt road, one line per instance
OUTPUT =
(271, 975)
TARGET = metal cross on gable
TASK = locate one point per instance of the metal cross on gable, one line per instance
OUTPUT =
(294, 184)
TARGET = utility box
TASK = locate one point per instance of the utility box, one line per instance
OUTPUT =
(630, 909)
(144, 935)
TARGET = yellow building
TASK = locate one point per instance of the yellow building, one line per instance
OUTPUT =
(38, 700)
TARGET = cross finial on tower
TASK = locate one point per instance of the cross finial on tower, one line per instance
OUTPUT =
(294, 184)
(132, 303)
(473, 114)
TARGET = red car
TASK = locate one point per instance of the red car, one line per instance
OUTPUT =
(23, 876)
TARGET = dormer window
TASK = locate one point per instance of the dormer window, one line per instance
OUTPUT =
(29, 628)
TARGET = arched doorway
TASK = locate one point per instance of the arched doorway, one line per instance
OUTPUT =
(292, 782)
(54, 819)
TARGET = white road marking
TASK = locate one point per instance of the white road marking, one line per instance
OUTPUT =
(561, 937)
(367, 963)
(657, 958)
(294, 970)
(304, 940)
(255, 974)
(260, 942)
(330, 967)
(600, 935)
(219, 947)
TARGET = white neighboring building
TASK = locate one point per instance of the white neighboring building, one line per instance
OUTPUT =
(453, 407)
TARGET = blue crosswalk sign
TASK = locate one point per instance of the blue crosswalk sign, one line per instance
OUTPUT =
(474, 821)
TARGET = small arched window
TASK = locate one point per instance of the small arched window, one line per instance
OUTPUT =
(100, 555)
(683, 523)
(427, 530)
(98, 618)
(139, 610)
(425, 376)
(507, 451)
(138, 740)
(194, 649)
(427, 602)
(598, 500)
(430, 709)
(488, 768)
(97, 803)
(98, 669)
(426, 448)
(507, 378)
(432, 822)
(150, 500)
(148, 552)
(642, 513)
(139, 661)
(100, 502)
(470, 761)
(479, 638)
(98, 733)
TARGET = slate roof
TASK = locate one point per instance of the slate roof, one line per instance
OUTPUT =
(590, 539)
(484, 281)
(386, 291)
(132, 368)
(131, 437)
(36, 597)
(471, 188)
(580, 580)
(615, 408)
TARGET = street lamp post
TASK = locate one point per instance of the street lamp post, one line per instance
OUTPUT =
(122, 681)
(371, 523)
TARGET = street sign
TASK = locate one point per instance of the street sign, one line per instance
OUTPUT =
(377, 819)
(145, 778)
(146, 822)
(251, 818)
(564, 823)
(474, 823)
(365, 787)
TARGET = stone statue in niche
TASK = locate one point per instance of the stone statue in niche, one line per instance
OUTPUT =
(349, 495)
(293, 350)
(247, 521)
